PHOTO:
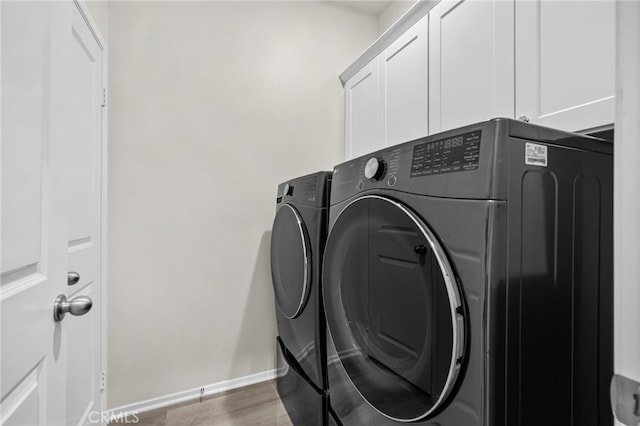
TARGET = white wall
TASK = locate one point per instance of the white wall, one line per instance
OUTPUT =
(212, 104)
(99, 10)
(392, 13)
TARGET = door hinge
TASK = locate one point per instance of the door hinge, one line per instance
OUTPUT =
(625, 400)
(104, 97)
(103, 380)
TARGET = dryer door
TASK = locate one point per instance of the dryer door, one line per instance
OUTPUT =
(393, 308)
(290, 261)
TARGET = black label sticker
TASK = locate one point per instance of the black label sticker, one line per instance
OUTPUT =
(455, 154)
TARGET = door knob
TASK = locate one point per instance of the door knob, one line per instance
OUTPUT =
(73, 278)
(76, 306)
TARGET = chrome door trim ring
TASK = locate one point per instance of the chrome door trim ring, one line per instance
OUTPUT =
(454, 303)
(306, 275)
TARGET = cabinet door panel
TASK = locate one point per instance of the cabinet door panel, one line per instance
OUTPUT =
(361, 112)
(405, 84)
(471, 70)
(565, 63)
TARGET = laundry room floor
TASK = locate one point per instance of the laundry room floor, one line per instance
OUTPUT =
(257, 404)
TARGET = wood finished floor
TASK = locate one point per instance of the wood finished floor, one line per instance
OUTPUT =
(252, 405)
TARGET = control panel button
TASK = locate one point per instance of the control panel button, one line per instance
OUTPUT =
(360, 185)
(374, 169)
(392, 180)
(288, 189)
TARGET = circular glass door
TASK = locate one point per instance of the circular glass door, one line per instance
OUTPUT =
(290, 261)
(393, 308)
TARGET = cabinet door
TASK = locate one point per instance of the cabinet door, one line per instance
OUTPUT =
(471, 62)
(404, 85)
(565, 62)
(362, 133)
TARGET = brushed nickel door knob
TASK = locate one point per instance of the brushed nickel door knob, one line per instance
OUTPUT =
(72, 278)
(77, 306)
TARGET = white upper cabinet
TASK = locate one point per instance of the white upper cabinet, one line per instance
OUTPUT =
(458, 62)
(404, 86)
(471, 73)
(565, 63)
(362, 133)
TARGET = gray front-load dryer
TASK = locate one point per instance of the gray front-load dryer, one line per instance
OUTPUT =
(467, 280)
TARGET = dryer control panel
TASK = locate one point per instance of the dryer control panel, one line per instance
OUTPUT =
(310, 190)
(458, 153)
(469, 162)
(456, 163)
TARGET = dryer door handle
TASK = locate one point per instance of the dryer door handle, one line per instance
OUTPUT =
(421, 249)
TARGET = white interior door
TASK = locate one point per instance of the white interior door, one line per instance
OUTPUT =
(51, 213)
(83, 143)
(33, 256)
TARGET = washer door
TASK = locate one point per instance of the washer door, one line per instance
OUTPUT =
(393, 308)
(290, 261)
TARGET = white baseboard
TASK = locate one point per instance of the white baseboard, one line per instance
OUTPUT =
(192, 394)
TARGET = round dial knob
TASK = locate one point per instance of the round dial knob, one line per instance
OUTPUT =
(374, 169)
(288, 189)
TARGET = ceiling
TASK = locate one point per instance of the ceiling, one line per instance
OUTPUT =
(370, 7)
